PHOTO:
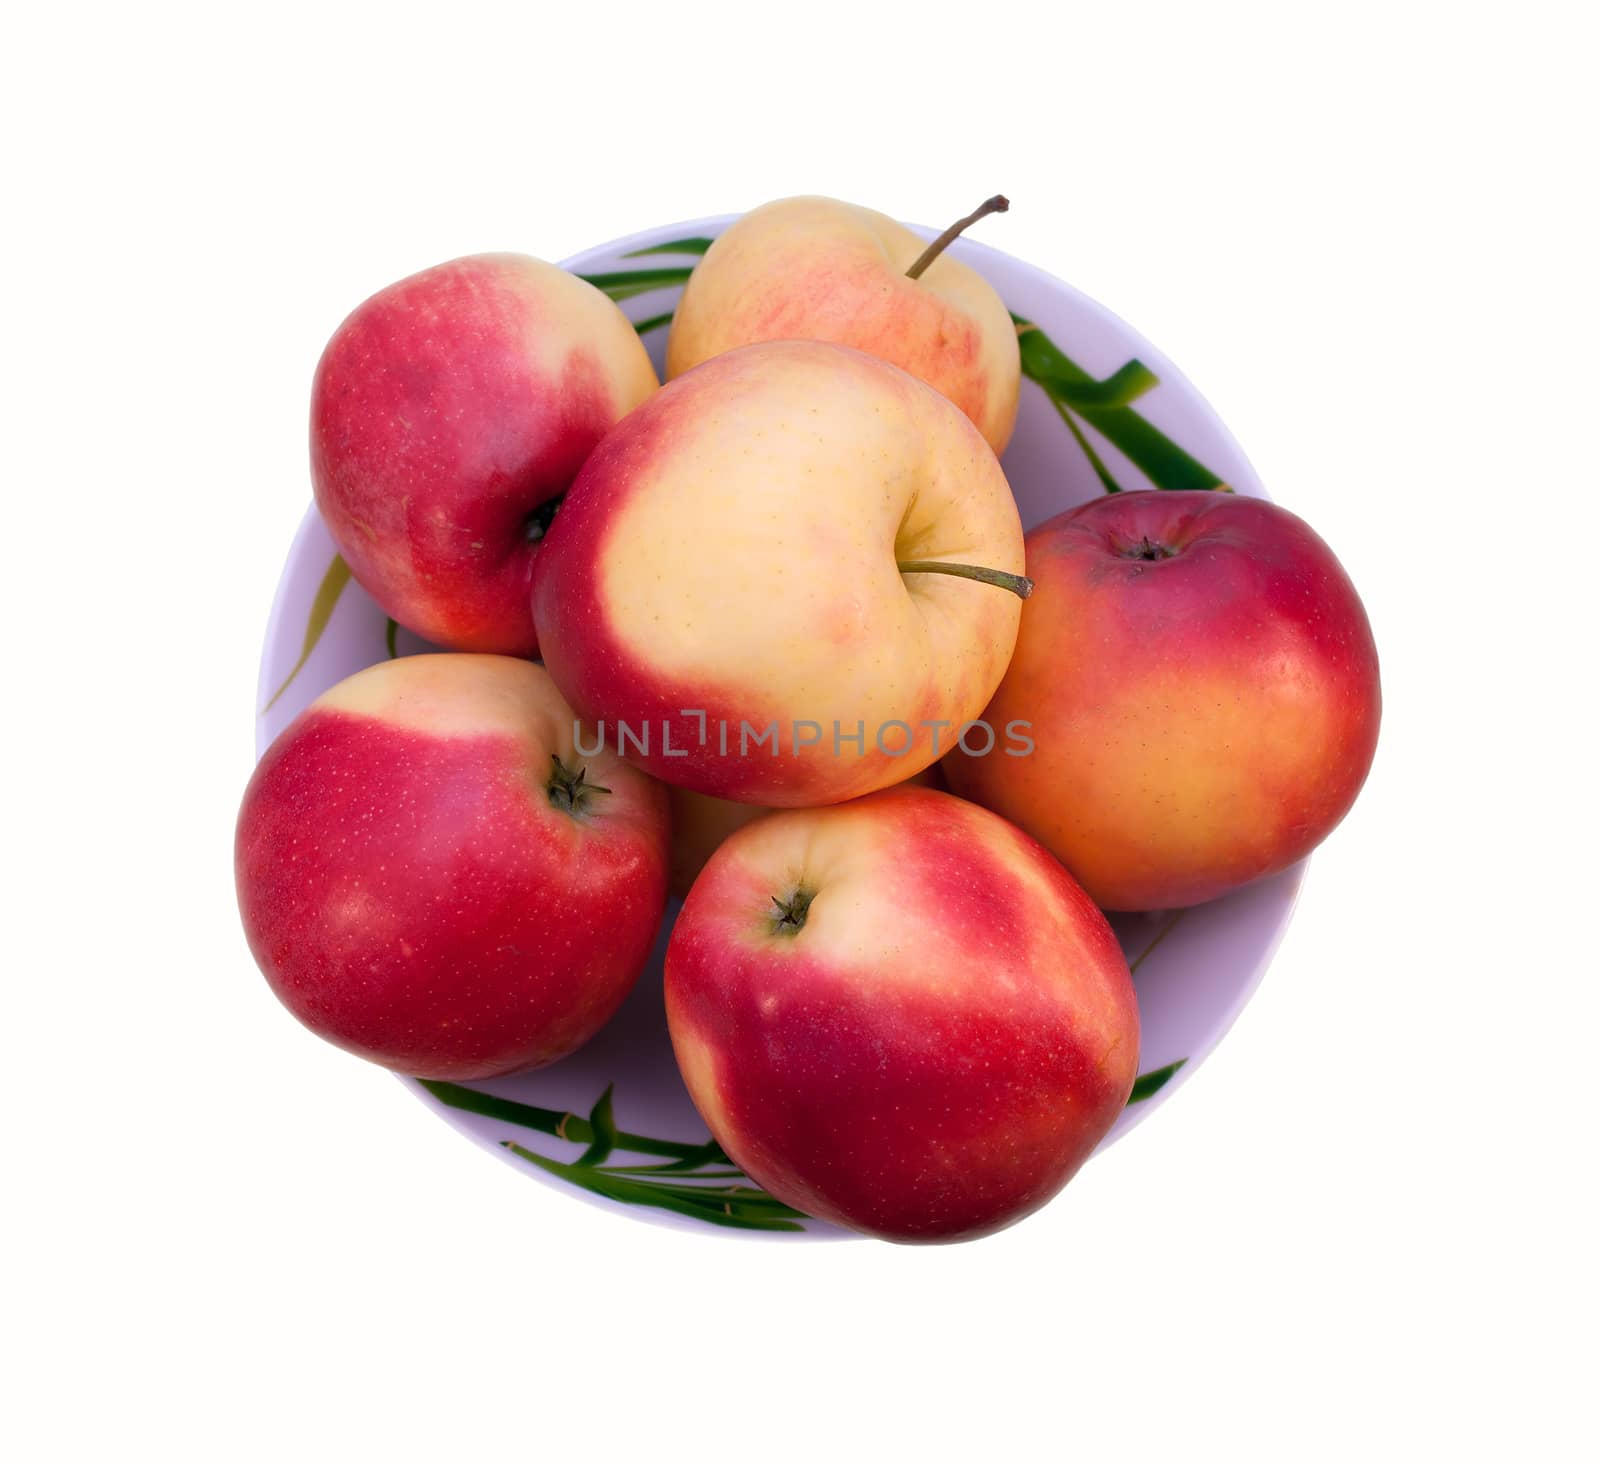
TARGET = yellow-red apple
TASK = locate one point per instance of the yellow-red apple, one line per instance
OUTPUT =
(900, 1014)
(701, 822)
(758, 584)
(431, 878)
(1202, 691)
(820, 270)
(448, 415)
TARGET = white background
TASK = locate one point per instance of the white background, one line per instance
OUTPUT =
(1364, 1232)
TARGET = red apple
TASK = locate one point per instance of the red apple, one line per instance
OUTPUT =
(430, 878)
(1202, 687)
(900, 1014)
(449, 414)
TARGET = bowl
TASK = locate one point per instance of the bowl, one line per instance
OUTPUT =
(1102, 411)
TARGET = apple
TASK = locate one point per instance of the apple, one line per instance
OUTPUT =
(701, 822)
(768, 583)
(430, 878)
(448, 415)
(1202, 689)
(821, 270)
(900, 1014)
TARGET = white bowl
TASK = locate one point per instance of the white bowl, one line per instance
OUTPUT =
(1194, 970)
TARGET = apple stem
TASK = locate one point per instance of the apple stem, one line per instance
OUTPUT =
(568, 790)
(1019, 585)
(997, 205)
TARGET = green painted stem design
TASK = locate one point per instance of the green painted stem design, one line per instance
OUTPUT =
(1101, 472)
(623, 285)
(1127, 384)
(697, 245)
(332, 587)
(1158, 939)
(1104, 405)
(1147, 1084)
(678, 1184)
(729, 1206)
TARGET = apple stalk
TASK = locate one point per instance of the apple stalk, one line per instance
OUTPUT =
(996, 205)
(1019, 585)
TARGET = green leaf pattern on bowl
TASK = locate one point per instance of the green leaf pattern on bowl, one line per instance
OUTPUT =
(334, 580)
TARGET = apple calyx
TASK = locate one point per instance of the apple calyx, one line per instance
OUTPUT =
(569, 791)
(791, 914)
(538, 523)
(1019, 585)
(1148, 549)
(996, 205)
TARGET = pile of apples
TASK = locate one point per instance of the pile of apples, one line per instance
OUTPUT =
(777, 604)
